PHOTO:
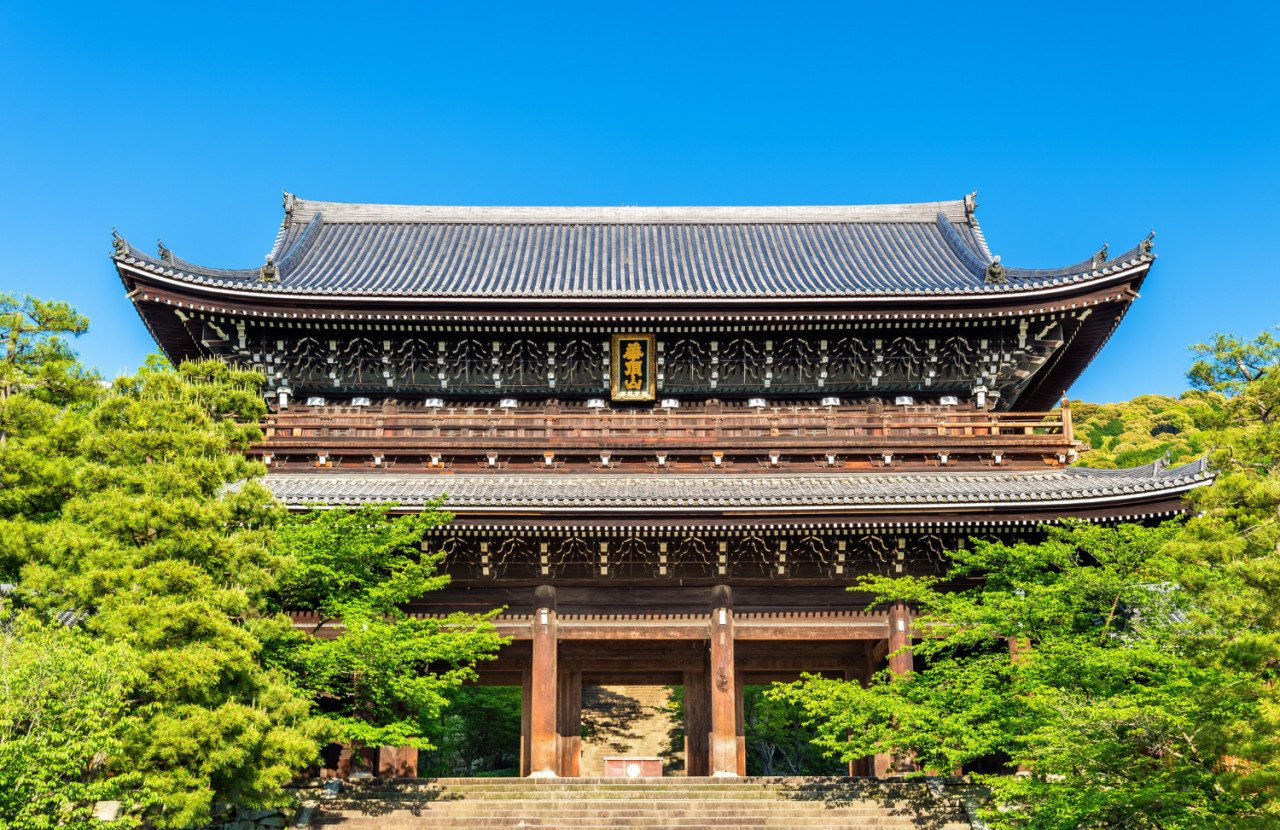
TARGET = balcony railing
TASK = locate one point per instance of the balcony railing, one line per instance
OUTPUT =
(396, 430)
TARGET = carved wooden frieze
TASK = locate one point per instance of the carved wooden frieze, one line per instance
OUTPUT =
(601, 556)
(704, 363)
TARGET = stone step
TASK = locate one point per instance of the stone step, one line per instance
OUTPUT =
(375, 824)
(704, 780)
(677, 803)
(393, 822)
(634, 811)
(635, 795)
(516, 785)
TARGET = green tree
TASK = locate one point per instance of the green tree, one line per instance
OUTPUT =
(141, 533)
(387, 677)
(1145, 693)
(65, 706)
(478, 733)
(778, 740)
(1113, 709)
(36, 357)
(1148, 428)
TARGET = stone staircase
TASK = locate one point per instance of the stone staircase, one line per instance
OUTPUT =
(599, 803)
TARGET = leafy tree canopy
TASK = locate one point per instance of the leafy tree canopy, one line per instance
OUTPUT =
(1141, 688)
(386, 679)
(138, 532)
(36, 357)
(64, 713)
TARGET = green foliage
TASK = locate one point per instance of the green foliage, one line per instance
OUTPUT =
(36, 359)
(137, 509)
(1115, 708)
(1146, 693)
(778, 740)
(1147, 428)
(65, 709)
(121, 509)
(1231, 366)
(389, 672)
(478, 733)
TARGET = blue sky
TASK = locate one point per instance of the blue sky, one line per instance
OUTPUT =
(1077, 123)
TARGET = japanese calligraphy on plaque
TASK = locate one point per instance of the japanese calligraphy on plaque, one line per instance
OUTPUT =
(631, 368)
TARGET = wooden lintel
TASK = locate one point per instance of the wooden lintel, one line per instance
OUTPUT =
(811, 631)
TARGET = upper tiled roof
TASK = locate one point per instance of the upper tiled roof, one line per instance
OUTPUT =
(720, 492)
(354, 250)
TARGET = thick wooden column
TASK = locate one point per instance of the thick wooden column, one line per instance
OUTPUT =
(900, 666)
(724, 685)
(860, 673)
(739, 720)
(526, 712)
(900, 639)
(569, 721)
(1019, 646)
(697, 720)
(544, 756)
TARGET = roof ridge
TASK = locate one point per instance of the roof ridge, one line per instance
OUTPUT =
(302, 210)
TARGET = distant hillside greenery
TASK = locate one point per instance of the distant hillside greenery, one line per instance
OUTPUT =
(1149, 427)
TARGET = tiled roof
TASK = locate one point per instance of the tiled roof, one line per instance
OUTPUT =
(859, 490)
(351, 250)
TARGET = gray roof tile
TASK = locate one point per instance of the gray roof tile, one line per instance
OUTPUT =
(329, 248)
(653, 492)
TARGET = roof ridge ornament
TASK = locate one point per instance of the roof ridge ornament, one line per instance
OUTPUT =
(120, 244)
(1145, 246)
(289, 200)
(995, 273)
(971, 204)
(268, 272)
(166, 255)
(1101, 256)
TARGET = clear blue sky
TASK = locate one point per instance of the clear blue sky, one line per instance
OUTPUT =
(1076, 123)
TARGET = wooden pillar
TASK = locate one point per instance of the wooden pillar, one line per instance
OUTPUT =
(1019, 646)
(697, 720)
(860, 673)
(569, 721)
(724, 685)
(900, 639)
(739, 718)
(543, 754)
(526, 706)
(900, 666)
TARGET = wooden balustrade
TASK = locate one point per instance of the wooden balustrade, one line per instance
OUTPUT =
(570, 428)
(770, 436)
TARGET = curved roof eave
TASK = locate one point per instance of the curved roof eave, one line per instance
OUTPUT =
(1110, 275)
(855, 493)
(866, 253)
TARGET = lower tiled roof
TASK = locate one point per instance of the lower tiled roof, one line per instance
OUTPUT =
(854, 490)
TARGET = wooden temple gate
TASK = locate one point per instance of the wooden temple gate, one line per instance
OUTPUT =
(671, 436)
(713, 655)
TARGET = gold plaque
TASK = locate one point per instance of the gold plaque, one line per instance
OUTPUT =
(631, 367)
